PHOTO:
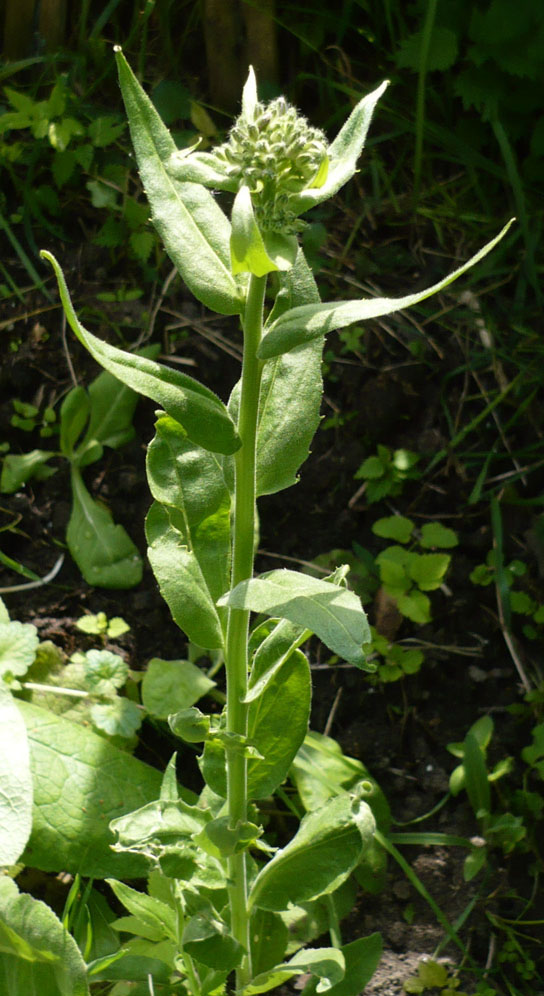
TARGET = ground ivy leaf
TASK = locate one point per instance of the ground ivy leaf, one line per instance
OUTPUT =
(104, 671)
(119, 717)
(18, 646)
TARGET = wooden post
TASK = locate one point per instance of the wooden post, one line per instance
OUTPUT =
(18, 27)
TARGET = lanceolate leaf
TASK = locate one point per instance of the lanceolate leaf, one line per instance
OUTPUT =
(181, 579)
(182, 475)
(103, 551)
(277, 725)
(199, 410)
(291, 391)
(304, 323)
(191, 224)
(343, 152)
(320, 857)
(332, 612)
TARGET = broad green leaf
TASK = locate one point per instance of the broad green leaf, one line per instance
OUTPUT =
(112, 410)
(330, 611)
(277, 721)
(37, 954)
(194, 230)
(15, 782)
(199, 410)
(18, 646)
(435, 534)
(18, 468)
(301, 324)
(396, 527)
(325, 850)
(81, 782)
(141, 960)
(183, 475)
(103, 551)
(272, 652)
(181, 580)
(169, 686)
(343, 153)
(309, 921)
(362, 958)
(325, 964)
(247, 250)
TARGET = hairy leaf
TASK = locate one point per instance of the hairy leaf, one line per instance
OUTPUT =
(330, 611)
(191, 224)
(304, 323)
(199, 410)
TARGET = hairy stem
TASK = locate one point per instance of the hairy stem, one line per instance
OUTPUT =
(238, 624)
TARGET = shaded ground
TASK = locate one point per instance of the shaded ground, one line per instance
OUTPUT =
(400, 731)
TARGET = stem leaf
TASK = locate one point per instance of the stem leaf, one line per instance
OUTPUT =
(192, 226)
(181, 579)
(322, 855)
(325, 964)
(343, 152)
(301, 324)
(332, 612)
(203, 416)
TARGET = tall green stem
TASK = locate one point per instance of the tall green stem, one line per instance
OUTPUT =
(238, 624)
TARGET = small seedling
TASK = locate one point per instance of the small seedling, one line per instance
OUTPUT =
(100, 625)
(386, 472)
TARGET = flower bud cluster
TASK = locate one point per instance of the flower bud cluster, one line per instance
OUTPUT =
(276, 153)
